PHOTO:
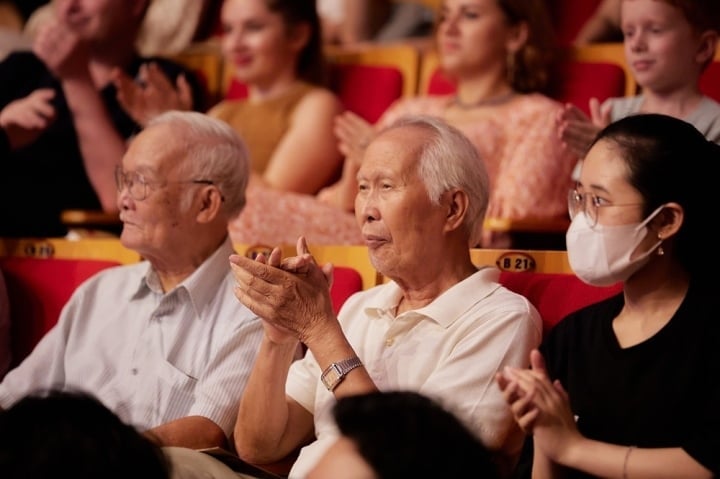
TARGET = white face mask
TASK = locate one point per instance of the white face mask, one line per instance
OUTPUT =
(601, 255)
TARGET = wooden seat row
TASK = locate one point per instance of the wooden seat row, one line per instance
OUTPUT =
(41, 275)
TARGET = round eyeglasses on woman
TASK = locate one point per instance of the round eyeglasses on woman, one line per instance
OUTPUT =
(589, 204)
(137, 185)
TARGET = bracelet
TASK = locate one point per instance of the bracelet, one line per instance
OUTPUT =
(625, 462)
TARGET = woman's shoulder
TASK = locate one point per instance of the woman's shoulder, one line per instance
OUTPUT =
(310, 93)
(315, 100)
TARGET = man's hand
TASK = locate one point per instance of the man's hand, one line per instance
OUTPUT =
(292, 295)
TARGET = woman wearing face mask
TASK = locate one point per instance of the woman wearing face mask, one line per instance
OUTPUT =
(628, 387)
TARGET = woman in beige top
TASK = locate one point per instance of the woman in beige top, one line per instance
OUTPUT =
(275, 48)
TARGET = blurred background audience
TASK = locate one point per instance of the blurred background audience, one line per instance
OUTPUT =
(62, 129)
(668, 46)
(347, 22)
(496, 53)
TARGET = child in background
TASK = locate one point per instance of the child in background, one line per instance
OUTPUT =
(668, 45)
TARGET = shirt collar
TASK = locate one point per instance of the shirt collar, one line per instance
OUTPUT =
(202, 285)
(447, 307)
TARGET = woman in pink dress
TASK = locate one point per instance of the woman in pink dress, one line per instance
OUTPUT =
(496, 54)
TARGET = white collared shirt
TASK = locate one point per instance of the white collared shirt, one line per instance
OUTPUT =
(449, 350)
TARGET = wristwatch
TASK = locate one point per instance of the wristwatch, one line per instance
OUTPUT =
(336, 372)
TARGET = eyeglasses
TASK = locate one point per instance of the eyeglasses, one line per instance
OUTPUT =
(137, 185)
(578, 202)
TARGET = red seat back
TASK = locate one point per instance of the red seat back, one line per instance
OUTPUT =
(38, 288)
(367, 90)
(569, 16)
(439, 84)
(578, 81)
(555, 295)
(346, 281)
(236, 90)
(710, 80)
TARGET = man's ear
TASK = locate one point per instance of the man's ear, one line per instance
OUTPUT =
(456, 202)
(211, 201)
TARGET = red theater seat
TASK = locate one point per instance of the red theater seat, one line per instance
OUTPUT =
(545, 278)
(41, 275)
(555, 295)
(38, 288)
(346, 281)
(710, 80)
(367, 90)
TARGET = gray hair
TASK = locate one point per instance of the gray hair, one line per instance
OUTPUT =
(211, 150)
(449, 160)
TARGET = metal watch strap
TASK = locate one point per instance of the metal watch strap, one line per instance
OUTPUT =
(336, 372)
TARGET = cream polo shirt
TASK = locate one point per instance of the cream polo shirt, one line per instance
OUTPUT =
(150, 356)
(449, 350)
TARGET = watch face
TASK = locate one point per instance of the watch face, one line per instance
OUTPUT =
(331, 376)
(335, 373)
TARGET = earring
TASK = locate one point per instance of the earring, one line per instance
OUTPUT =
(660, 250)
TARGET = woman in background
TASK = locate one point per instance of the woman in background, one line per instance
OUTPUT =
(496, 53)
(275, 49)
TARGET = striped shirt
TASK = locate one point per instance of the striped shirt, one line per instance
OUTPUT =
(151, 357)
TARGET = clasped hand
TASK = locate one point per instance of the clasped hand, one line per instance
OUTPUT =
(540, 407)
(291, 295)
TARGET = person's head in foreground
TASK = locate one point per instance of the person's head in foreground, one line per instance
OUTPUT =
(401, 434)
(72, 434)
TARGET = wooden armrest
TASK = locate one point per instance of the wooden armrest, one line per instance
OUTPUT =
(89, 217)
(530, 225)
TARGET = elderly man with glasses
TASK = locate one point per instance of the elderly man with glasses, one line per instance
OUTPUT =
(163, 343)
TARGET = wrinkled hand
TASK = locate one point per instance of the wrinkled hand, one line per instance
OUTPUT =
(353, 134)
(25, 119)
(62, 51)
(576, 130)
(152, 93)
(540, 407)
(292, 295)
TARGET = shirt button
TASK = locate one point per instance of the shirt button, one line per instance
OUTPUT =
(134, 371)
(389, 342)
